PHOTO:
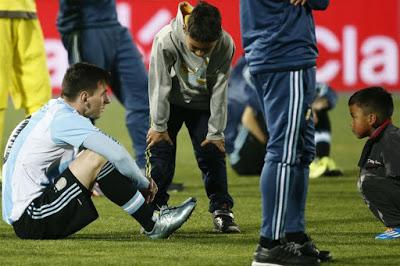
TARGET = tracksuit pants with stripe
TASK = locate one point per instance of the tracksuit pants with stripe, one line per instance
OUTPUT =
(287, 98)
(113, 49)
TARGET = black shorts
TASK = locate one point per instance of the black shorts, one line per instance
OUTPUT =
(64, 208)
(251, 153)
(251, 156)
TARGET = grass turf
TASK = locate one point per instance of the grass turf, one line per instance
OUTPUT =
(337, 218)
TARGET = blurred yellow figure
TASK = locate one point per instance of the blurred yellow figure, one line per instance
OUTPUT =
(23, 69)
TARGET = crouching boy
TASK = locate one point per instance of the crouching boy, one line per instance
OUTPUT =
(379, 183)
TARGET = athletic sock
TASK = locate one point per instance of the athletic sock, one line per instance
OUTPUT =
(120, 190)
(269, 243)
(322, 149)
(297, 237)
(144, 216)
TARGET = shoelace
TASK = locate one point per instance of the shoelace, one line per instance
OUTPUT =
(164, 210)
(313, 248)
(292, 248)
(163, 207)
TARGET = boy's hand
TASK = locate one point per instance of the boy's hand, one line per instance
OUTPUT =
(298, 2)
(154, 137)
(150, 192)
(220, 143)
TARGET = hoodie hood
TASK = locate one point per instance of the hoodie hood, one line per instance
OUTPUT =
(179, 23)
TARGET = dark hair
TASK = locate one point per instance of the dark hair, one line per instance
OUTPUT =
(204, 24)
(374, 100)
(83, 76)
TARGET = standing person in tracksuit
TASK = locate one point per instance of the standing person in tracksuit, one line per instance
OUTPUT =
(91, 33)
(281, 51)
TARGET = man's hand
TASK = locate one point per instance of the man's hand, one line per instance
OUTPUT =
(154, 137)
(319, 104)
(150, 192)
(298, 2)
(220, 143)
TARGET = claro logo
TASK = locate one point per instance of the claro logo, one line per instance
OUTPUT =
(373, 60)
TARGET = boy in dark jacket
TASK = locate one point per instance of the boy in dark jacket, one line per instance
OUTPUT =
(371, 110)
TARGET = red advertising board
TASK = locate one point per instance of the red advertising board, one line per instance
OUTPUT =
(358, 40)
(359, 43)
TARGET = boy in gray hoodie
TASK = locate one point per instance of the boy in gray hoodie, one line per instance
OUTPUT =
(188, 77)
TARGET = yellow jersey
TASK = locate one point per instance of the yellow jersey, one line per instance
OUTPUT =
(18, 5)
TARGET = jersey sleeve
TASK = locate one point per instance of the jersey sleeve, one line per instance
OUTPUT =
(391, 155)
(115, 153)
(71, 129)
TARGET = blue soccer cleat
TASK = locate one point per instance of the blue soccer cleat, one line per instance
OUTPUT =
(389, 234)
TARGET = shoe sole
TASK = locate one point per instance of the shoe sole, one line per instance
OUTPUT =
(255, 263)
(392, 238)
(325, 256)
(331, 173)
(190, 199)
(228, 231)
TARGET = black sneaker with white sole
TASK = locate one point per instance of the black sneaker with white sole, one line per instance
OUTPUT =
(285, 254)
(224, 221)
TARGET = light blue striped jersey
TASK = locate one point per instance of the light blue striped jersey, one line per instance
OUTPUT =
(39, 149)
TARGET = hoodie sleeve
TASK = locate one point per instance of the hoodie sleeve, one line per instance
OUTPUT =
(391, 152)
(318, 4)
(219, 94)
(160, 83)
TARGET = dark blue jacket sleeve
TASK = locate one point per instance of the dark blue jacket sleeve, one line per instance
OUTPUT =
(318, 4)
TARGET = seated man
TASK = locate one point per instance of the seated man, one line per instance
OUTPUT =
(53, 158)
(323, 164)
(246, 133)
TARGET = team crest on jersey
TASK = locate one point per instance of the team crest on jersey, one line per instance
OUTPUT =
(61, 183)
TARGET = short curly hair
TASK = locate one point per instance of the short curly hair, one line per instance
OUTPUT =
(204, 23)
(374, 100)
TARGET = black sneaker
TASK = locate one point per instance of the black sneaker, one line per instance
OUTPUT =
(285, 254)
(224, 221)
(175, 187)
(309, 249)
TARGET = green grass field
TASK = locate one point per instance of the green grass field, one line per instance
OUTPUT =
(337, 218)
